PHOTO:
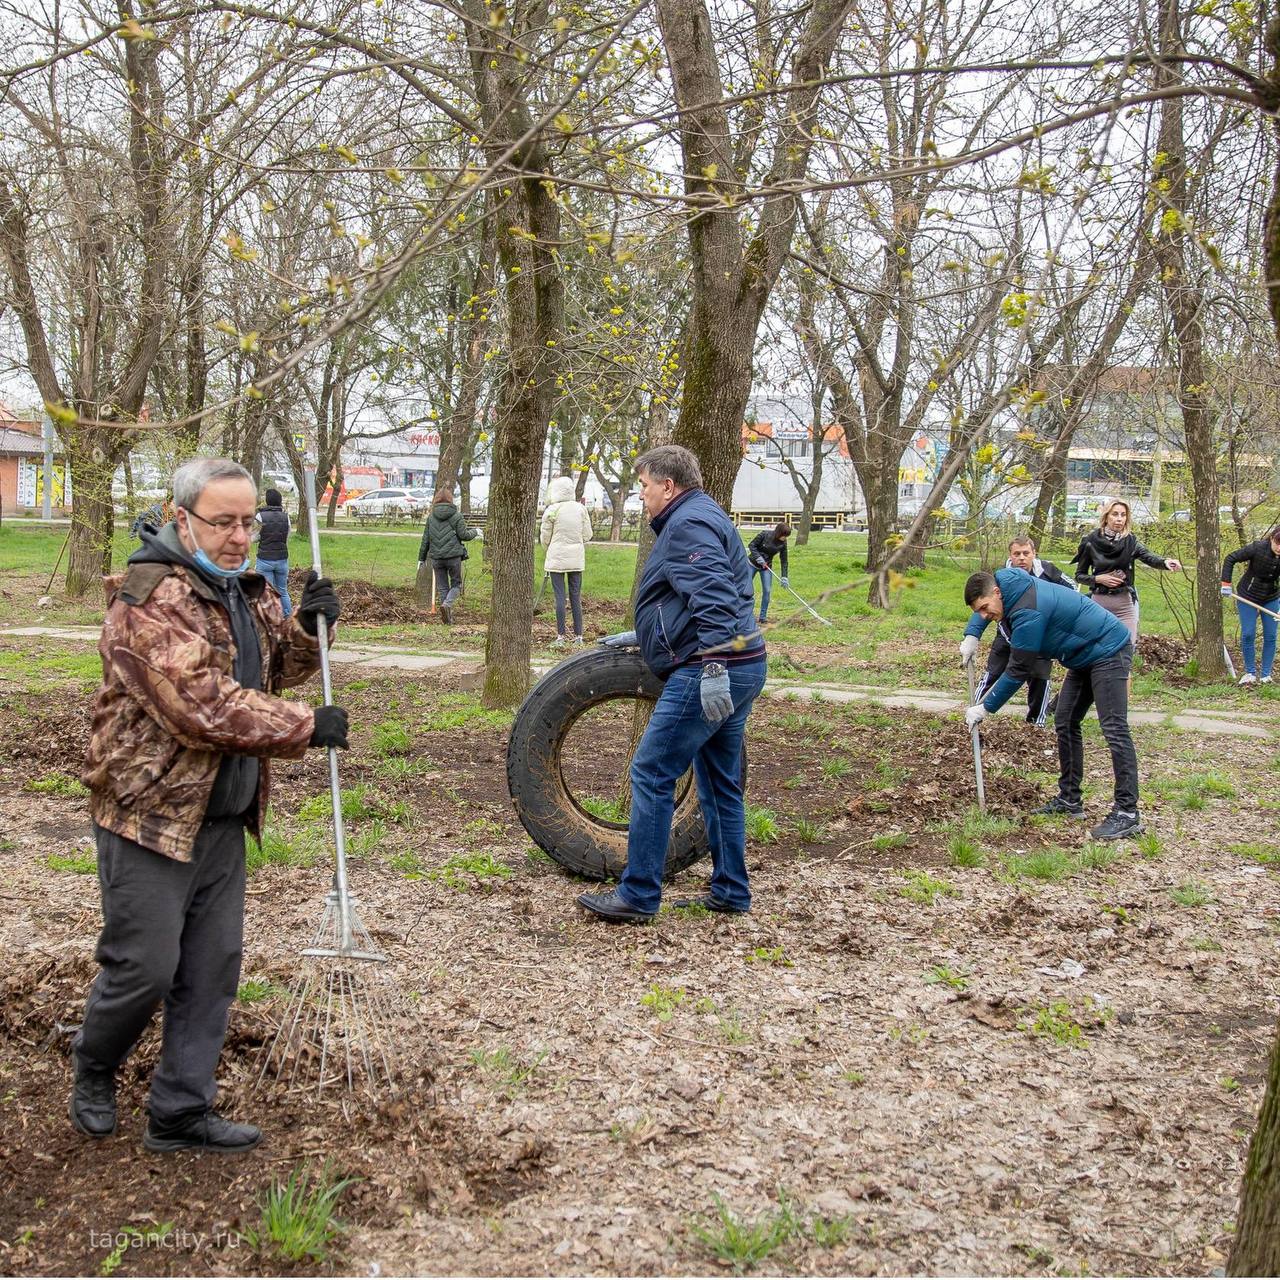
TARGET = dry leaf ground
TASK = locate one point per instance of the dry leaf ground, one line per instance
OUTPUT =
(865, 1045)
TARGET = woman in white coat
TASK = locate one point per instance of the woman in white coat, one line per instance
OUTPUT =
(566, 530)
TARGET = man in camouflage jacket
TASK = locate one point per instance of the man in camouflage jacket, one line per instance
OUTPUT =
(195, 650)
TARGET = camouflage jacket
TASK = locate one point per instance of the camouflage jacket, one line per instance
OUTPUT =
(169, 708)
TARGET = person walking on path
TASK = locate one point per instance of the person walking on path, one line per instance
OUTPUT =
(696, 630)
(194, 651)
(273, 547)
(764, 546)
(1261, 584)
(566, 530)
(1049, 621)
(1022, 555)
(443, 543)
(1104, 563)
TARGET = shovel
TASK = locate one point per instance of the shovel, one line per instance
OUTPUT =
(977, 744)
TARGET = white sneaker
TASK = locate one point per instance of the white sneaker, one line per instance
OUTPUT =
(1248, 678)
(1265, 680)
(560, 643)
(577, 640)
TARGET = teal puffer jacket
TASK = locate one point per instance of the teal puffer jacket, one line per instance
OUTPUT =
(445, 533)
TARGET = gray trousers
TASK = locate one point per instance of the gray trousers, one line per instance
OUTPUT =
(171, 932)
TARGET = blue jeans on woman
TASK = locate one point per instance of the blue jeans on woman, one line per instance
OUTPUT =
(276, 572)
(766, 590)
(1249, 633)
(679, 736)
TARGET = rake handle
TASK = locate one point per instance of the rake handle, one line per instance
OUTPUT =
(341, 890)
(1271, 613)
(977, 744)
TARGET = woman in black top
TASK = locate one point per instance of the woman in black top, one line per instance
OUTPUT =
(763, 547)
(1105, 560)
(1261, 584)
(273, 547)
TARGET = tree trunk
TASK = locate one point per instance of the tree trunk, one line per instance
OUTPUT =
(1185, 300)
(1256, 1249)
(89, 548)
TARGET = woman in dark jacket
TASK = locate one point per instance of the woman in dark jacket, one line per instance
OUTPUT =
(763, 547)
(1105, 560)
(1261, 585)
(273, 547)
(442, 541)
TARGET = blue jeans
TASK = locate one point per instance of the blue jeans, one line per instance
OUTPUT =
(1249, 633)
(679, 736)
(766, 590)
(276, 572)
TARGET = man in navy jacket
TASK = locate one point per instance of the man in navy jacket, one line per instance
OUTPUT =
(1048, 621)
(695, 625)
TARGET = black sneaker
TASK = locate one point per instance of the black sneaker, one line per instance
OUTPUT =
(1118, 825)
(204, 1131)
(93, 1103)
(1058, 807)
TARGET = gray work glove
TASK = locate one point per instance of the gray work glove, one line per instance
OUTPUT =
(621, 640)
(717, 697)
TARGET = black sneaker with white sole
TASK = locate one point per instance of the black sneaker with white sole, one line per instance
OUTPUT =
(1118, 825)
(1058, 807)
(203, 1131)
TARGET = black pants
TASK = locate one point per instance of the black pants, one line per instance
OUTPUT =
(575, 598)
(171, 932)
(1037, 686)
(1106, 685)
(448, 575)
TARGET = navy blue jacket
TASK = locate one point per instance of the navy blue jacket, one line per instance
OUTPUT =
(695, 598)
(1048, 621)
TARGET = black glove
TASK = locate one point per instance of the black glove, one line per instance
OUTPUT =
(331, 728)
(318, 596)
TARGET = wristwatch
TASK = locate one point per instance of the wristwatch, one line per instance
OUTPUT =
(713, 668)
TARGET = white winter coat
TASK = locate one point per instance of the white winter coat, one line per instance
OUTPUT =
(566, 529)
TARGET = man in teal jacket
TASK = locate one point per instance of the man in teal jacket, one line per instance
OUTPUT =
(1048, 621)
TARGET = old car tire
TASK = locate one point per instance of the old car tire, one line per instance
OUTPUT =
(579, 841)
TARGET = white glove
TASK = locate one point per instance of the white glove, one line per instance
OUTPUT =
(421, 563)
(968, 650)
(975, 715)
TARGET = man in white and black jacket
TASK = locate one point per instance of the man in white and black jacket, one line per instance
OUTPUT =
(1022, 555)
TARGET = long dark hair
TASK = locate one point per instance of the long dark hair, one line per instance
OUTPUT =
(442, 495)
(782, 529)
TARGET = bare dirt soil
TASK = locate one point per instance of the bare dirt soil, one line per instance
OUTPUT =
(891, 1043)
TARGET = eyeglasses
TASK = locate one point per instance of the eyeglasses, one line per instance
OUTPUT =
(224, 524)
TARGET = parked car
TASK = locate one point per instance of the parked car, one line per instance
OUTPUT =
(386, 502)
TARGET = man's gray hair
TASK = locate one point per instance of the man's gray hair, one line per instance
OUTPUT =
(671, 462)
(190, 479)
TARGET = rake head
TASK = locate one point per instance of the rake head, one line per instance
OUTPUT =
(338, 1029)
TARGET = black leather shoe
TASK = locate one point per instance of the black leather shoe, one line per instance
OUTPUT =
(609, 906)
(204, 1131)
(708, 903)
(93, 1103)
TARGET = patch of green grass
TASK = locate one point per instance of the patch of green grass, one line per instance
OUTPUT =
(536, 857)
(392, 738)
(466, 870)
(298, 1216)
(1149, 845)
(408, 864)
(977, 825)
(836, 768)
(1266, 855)
(762, 825)
(58, 784)
(922, 887)
(1190, 894)
(793, 782)
(1047, 865)
(663, 1001)
(505, 1072)
(964, 852)
(1096, 856)
(809, 832)
(943, 975)
(80, 864)
(463, 711)
(731, 1027)
(302, 849)
(610, 808)
(1205, 944)
(1056, 1022)
(889, 840)
(854, 1077)
(740, 1242)
(771, 956)
(252, 990)
(401, 768)
(1229, 1084)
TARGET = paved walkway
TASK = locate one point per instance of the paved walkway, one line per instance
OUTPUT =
(1229, 721)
